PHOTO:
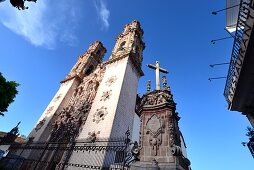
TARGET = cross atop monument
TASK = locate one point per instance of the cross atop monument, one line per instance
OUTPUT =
(157, 69)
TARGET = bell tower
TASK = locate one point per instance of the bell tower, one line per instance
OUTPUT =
(113, 109)
(87, 62)
(129, 42)
(85, 65)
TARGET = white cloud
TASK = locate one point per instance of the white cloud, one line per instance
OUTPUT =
(43, 24)
(102, 12)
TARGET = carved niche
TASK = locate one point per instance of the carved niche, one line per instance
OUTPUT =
(155, 126)
(100, 114)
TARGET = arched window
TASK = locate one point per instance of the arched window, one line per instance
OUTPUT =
(121, 46)
(89, 70)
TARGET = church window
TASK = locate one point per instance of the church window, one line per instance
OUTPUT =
(89, 70)
(121, 46)
(77, 66)
(98, 52)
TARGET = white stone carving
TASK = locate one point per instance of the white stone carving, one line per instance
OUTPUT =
(111, 80)
(106, 95)
(100, 114)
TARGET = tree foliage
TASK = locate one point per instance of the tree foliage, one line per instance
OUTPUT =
(8, 91)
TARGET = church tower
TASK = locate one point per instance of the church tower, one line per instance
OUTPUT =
(70, 89)
(161, 144)
(68, 110)
(113, 109)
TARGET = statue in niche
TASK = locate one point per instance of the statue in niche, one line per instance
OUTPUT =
(91, 91)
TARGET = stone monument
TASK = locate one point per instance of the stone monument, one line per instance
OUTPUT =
(161, 145)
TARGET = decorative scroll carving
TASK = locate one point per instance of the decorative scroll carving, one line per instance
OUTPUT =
(100, 114)
(157, 98)
(111, 80)
(155, 127)
(106, 95)
(40, 124)
(69, 120)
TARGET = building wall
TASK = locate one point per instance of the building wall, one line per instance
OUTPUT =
(120, 104)
(42, 128)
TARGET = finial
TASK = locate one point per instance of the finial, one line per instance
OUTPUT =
(164, 81)
(148, 86)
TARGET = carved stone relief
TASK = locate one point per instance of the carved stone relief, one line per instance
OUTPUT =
(155, 127)
(70, 119)
(171, 128)
(100, 114)
(58, 97)
(49, 110)
(40, 124)
(156, 98)
(92, 136)
(111, 80)
(106, 95)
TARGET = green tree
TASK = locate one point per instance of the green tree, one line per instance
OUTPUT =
(8, 91)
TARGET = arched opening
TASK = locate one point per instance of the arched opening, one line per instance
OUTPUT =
(121, 46)
(89, 70)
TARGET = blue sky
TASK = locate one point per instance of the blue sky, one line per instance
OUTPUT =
(40, 45)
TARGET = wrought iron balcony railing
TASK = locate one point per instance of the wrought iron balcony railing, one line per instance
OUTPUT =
(234, 69)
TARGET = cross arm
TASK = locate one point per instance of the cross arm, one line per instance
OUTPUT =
(151, 66)
(163, 70)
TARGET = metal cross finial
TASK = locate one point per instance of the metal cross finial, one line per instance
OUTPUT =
(157, 70)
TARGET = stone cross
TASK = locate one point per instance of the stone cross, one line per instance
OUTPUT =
(157, 69)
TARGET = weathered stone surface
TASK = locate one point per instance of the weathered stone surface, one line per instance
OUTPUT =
(160, 137)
